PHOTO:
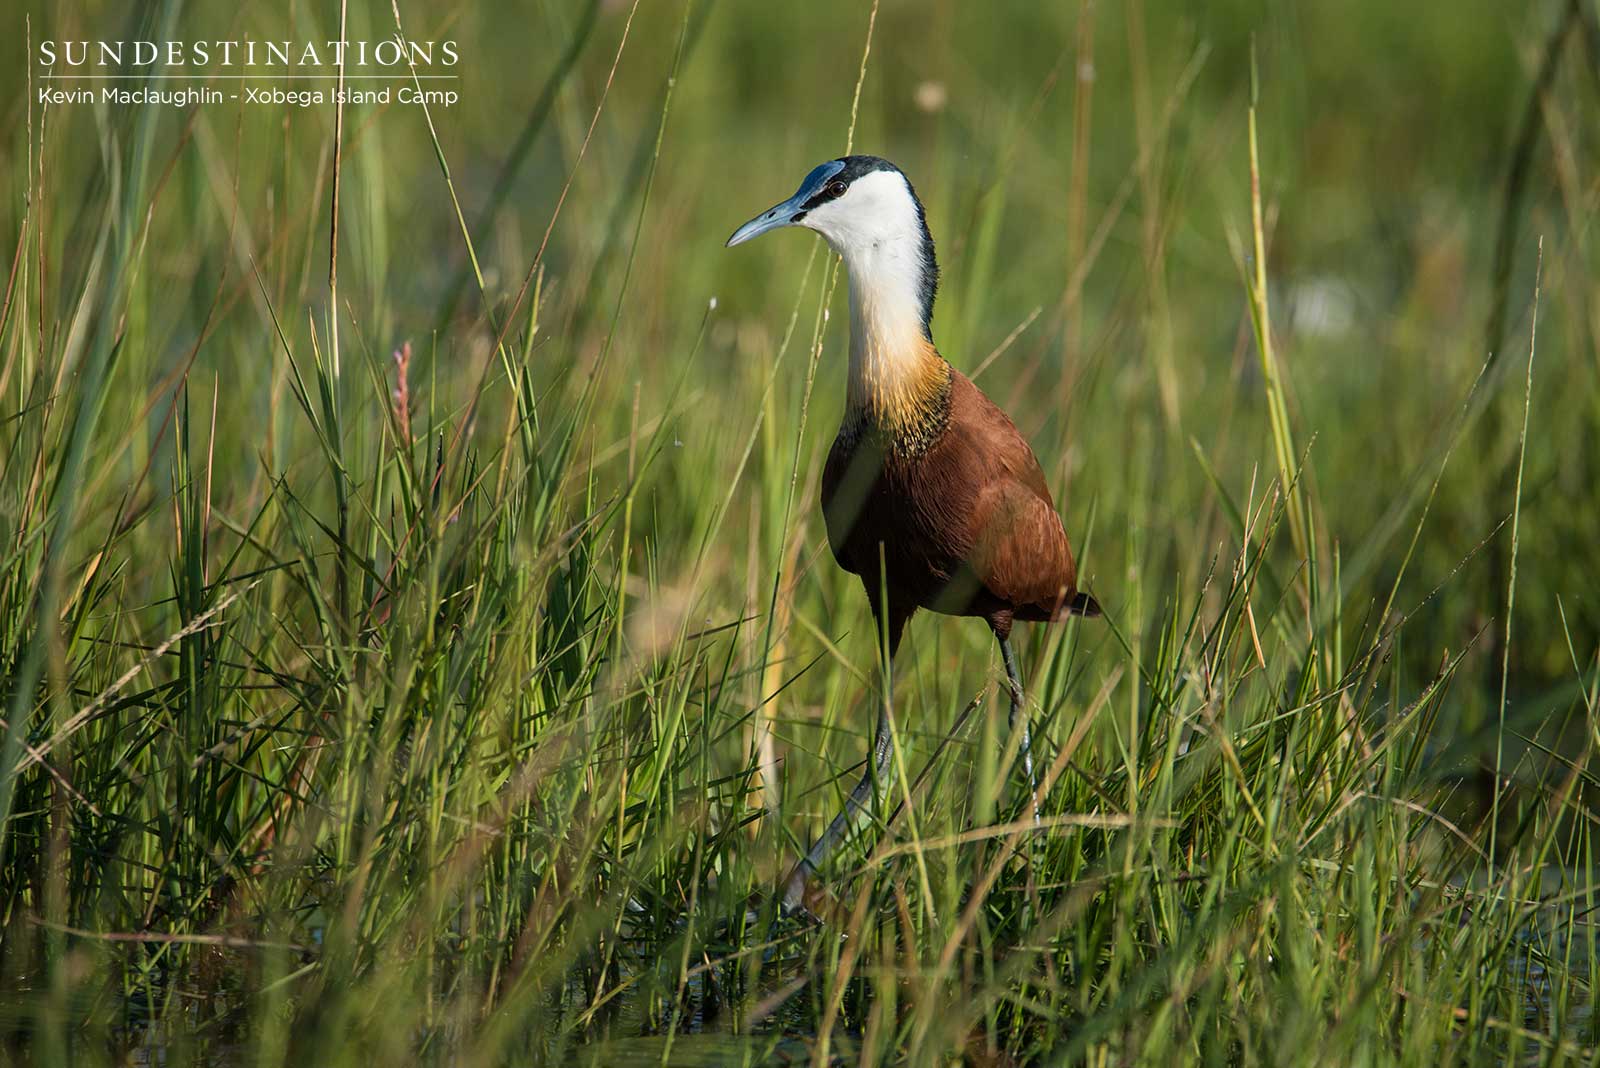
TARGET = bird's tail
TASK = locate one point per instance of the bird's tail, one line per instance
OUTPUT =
(1074, 604)
(1081, 604)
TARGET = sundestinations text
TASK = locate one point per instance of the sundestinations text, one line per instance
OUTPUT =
(248, 53)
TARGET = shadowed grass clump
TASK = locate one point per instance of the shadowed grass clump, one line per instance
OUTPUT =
(418, 643)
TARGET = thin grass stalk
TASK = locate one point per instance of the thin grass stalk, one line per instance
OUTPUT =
(1511, 576)
(1271, 374)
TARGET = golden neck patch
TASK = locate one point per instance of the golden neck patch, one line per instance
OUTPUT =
(899, 385)
(900, 398)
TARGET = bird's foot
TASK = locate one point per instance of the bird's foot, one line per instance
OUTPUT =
(806, 898)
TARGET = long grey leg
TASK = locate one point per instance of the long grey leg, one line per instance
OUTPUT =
(1020, 709)
(870, 790)
(874, 785)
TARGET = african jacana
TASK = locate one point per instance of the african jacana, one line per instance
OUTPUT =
(930, 494)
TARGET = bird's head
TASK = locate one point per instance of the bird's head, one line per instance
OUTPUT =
(865, 208)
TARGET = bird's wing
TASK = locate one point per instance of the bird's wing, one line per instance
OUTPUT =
(1020, 551)
(1019, 548)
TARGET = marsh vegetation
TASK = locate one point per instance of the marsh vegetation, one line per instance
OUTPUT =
(418, 641)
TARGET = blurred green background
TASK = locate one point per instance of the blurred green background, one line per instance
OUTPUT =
(1386, 137)
(1086, 172)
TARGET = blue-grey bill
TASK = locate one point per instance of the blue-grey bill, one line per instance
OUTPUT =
(783, 214)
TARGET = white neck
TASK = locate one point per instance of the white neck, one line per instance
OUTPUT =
(888, 348)
(876, 228)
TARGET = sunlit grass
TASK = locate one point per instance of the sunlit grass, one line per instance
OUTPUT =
(450, 671)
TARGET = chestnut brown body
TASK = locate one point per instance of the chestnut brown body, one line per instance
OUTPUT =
(953, 515)
(930, 494)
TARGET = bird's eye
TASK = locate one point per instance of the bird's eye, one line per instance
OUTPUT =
(836, 189)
